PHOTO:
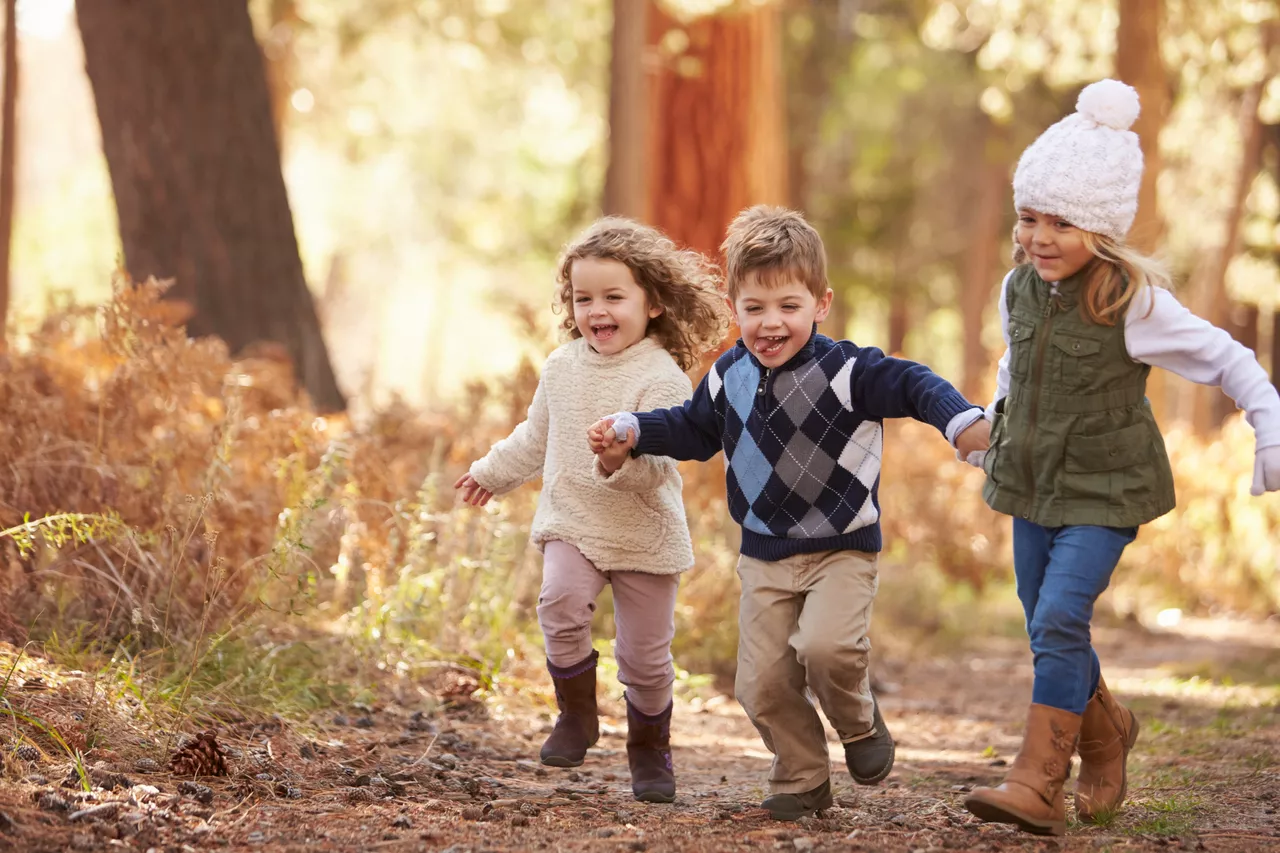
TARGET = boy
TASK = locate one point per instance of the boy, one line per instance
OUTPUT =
(798, 417)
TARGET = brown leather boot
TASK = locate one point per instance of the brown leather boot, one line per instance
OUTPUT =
(1031, 796)
(1107, 732)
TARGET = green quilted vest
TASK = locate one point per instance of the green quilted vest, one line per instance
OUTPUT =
(1075, 441)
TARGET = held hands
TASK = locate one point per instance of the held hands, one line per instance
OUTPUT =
(1266, 471)
(472, 492)
(973, 441)
(611, 450)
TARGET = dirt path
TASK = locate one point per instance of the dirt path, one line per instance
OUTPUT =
(1205, 774)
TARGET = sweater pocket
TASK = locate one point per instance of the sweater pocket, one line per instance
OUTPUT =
(626, 521)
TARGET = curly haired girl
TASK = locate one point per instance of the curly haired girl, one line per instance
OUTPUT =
(638, 311)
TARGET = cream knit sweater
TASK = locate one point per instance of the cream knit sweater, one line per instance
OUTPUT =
(634, 523)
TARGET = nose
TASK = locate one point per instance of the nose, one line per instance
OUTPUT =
(1042, 236)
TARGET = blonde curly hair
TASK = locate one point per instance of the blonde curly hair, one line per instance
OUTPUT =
(684, 284)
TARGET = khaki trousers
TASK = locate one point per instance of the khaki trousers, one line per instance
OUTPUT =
(803, 621)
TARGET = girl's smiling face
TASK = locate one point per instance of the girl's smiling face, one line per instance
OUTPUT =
(1054, 246)
(610, 310)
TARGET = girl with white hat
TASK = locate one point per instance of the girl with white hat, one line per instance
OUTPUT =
(1076, 456)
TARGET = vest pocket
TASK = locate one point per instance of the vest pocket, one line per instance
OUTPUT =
(1077, 359)
(1111, 451)
(1020, 334)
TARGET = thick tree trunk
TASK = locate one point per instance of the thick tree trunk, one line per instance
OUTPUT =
(1138, 63)
(8, 158)
(187, 130)
(982, 260)
(624, 190)
(1208, 405)
(1275, 349)
(717, 141)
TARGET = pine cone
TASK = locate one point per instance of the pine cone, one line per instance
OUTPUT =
(201, 757)
(27, 752)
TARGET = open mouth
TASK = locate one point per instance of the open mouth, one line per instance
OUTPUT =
(770, 345)
(603, 332)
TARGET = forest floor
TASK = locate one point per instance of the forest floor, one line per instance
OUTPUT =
(462, 776)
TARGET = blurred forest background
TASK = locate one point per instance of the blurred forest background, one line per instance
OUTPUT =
(180, 501)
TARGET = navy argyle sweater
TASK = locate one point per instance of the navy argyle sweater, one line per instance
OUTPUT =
(802, 443)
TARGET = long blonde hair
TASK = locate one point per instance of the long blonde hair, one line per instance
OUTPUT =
(1118, 273)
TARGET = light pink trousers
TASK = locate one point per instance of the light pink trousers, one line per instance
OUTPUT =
(644, 608)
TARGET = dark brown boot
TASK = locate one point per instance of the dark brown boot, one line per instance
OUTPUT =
(1107, 732)
(1031, 796)
(578, 727)
(653, 778)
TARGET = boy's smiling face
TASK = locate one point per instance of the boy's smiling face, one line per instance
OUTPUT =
(777, 318)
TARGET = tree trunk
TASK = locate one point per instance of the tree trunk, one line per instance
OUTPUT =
(982, 259)
(1207, 404)
(1275, 349)
(899, 321)
(8, 158)
(624, 191)
(1138, 63)
(717, 141)
(187, 130)
(278, 50)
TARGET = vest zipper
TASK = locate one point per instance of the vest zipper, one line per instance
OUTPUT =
(1036, 385)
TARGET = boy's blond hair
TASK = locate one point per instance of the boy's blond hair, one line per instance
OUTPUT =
(772, 245)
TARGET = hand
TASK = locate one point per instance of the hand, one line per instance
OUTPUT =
(1266, 471)
(616, 451)
(597, 432)
(974, 438)
(472, 492)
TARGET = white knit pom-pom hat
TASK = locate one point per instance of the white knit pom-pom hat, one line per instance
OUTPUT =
(1087, 168)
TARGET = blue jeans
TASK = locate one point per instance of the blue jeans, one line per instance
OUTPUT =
(1061, 571)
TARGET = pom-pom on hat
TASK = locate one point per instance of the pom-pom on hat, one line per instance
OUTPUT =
(1087, 168)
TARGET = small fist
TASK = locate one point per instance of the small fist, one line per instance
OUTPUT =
(471, 491)
(974, 438)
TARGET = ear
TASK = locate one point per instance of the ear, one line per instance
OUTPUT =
(655, 311)
(824, 306)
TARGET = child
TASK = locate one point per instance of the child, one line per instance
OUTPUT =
(1076, 456)
(798, 416)
(639, 312)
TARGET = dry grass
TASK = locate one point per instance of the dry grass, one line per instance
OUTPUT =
(168, 505)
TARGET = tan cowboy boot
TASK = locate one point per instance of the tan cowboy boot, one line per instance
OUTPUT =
(1107, 733)
(1031, 796)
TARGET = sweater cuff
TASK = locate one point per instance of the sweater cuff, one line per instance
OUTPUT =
(944, 410)
(653, 434)
(962, 422)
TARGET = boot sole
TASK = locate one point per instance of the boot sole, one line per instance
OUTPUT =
(992, 813)
(655, 797)
(796, 815)
(1088, 817)
(882, 774)
(561, 761)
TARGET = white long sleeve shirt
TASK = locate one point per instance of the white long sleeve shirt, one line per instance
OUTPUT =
(1161, 332)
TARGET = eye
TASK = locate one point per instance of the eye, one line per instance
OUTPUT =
(790, 307)
(1063, 226)
(753, 309)
(614, 297)
(1027, 220)
(582, 300)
